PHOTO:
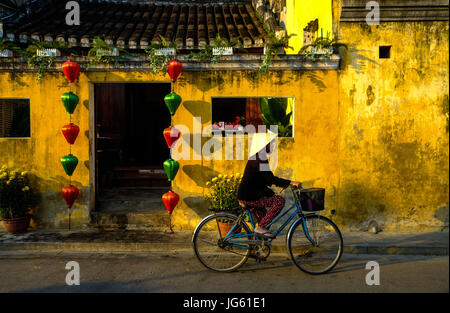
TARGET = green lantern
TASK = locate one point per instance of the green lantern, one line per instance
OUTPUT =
(69, 163)
(172, 101)
(70, 101)
(171, 168)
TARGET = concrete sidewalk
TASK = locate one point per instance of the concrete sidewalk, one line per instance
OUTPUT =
(435, 243)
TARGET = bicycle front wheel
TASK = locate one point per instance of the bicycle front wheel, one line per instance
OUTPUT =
(315, 244)
(216, 251)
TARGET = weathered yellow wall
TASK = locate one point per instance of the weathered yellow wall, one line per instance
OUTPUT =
(300, 12)
(374, 134)
(41, 153)
(394, 137)
(310, 156)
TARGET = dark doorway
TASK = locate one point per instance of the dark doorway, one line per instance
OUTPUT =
(130, 119)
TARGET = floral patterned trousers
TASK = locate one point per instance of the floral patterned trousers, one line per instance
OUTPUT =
(274, 203)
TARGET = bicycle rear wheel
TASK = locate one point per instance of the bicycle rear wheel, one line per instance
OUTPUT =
(320, 254)
(216, 253)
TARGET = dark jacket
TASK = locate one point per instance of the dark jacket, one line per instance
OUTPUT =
(254, 184)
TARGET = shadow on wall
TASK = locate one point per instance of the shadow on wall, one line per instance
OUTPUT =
(316, 80)
(197, 108)
(51, 203)
(357, 203)
(200, 174)
(352, 57)
(442, 215)
(198, 205)
(188, 140)
(203, 80)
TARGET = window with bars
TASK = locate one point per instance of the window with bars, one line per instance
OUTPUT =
(14, 118)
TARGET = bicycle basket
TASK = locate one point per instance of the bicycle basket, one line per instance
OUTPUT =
(312, 199)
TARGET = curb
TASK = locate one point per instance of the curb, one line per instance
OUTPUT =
(103, 247)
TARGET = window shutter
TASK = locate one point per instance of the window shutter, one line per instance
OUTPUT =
(6, 117)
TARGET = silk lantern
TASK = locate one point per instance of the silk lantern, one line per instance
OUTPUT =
(69, 163)
(170, 200)
(172, 101)
(171, 134)
(174, 70)
(71, 70)
(70, 194)
(171, 168)
(70, 132)
(70, 101)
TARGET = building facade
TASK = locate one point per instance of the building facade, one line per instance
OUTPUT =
(370, 124)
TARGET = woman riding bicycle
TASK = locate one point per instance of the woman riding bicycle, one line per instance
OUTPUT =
(253, 189)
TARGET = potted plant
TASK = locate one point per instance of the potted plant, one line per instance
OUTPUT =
(275, 46)
(102, 52)
(322, 47)
(8, 48)
(223, 197)
(160, 54)
(16, 200)
(212, 53)
(42, 54)
(274, 112)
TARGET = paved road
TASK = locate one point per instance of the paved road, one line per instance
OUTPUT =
(181, 272)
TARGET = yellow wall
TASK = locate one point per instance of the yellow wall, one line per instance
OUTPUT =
(374, 134)
(300, 12)
(310, 156)
(394, 135)
(41, 153)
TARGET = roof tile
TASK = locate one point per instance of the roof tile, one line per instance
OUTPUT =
(191, 23)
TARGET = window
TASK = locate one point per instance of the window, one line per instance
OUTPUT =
(14, 118)
(231, 115)
(385, 52)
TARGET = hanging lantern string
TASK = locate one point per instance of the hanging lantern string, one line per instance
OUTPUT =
(170, 223)
(70, 152)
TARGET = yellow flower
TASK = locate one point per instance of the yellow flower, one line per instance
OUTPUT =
(208, 184)
(214, 179)
(24, 173)
(8, 182)
(238, 175)
(220, 176)
(26, 188)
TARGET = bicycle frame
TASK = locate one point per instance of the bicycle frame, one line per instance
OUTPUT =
(298, 212)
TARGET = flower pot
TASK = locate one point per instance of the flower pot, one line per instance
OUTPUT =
(226, 227)
(17, 225)
(6, 53)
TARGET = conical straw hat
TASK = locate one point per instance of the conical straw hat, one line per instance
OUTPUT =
(259, 141)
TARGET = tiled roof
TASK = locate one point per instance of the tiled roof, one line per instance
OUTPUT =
(135, 25)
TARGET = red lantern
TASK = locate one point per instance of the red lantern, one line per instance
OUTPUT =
(70, 132)
(170, 200)
(171, 134)
(70, 194)
(71, 70)
(174, 69)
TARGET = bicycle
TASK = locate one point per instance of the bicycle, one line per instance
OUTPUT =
(314, 243)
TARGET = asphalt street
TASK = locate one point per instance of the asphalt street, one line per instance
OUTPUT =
(181, 272)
